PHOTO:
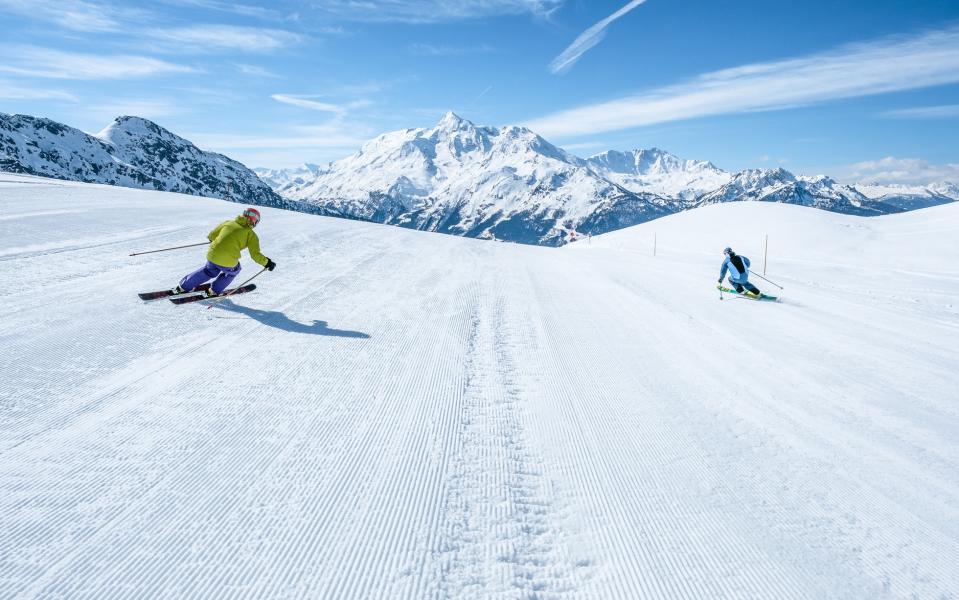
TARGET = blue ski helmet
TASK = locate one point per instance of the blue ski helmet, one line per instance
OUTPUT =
(727, 250)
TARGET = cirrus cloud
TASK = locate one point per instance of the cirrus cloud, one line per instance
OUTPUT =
(885, 65)
(13, 91)
(946, 111)
(309, 103)
(226, 37)
(32, 61)
(432, 11)
(75, 15)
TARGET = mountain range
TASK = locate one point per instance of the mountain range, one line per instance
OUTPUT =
(509, 183)
(505, 183)
(130, 152)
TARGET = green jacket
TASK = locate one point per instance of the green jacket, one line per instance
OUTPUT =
(228, 238)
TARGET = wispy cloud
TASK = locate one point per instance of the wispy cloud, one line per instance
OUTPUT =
(13, 91)
(946, 111)
(76, 15)
(146, 108)
(584, 146)
(886, 65)
(222, 142)
(338, 88)
(226, 37)
(431, 50)
(255, 71)
(432, 11)
(42, 62)
(245, 10)
(906, 171)
(309, 103)
(292, 145)
(586, 40)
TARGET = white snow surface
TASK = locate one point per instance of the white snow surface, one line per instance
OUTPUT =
(400, 414)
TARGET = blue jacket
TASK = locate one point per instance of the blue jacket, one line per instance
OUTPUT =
(734, 274)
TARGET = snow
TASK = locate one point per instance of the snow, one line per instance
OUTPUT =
(659, 172)
(131, 152)
(943, 188)
(911, 197)
(279, 179)
(400, 414)
(460, 178)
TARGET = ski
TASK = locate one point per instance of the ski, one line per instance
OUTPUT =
(761, 297)
(170, 294)
(226, 294)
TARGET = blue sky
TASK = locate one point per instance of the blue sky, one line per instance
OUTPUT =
(858, 90)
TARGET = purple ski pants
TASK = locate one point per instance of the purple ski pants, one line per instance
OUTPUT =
(222, 276)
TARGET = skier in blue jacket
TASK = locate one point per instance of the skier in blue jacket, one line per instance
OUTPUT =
(738, 267)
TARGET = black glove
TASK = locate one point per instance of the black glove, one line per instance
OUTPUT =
(720, 280)
(270, 265)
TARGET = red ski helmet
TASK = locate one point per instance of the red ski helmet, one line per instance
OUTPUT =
(252, 215)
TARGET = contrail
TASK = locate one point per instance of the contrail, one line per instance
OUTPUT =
(587, 40)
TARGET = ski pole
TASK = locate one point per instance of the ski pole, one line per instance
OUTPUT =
(237, 287)
(165, 249)
(761, 277)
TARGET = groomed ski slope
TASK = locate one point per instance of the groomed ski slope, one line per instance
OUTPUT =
(398, 414)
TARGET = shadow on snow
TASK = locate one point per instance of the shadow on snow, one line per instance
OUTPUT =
(279, 320)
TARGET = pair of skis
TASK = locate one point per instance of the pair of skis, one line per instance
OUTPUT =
(760, 297)
(196, 295)
(200, 293)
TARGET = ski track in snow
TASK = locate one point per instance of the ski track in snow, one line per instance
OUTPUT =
(397, 414)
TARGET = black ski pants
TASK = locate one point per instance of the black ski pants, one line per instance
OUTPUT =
(739, 287)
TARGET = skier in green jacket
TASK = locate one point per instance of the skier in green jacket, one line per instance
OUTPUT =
(223, 258)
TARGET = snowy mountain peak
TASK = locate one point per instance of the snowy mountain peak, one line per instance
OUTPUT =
(946, 188)
(779, 185)
(128, 127)
(130, 152)
(648, 161)
(754, 177)
(910, 197)
(659, 172)
(280, 179)
(457, 177)
(453, 122)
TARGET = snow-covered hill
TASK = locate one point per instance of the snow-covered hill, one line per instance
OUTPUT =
(130, 152)
(394, 414)
(458, 178)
